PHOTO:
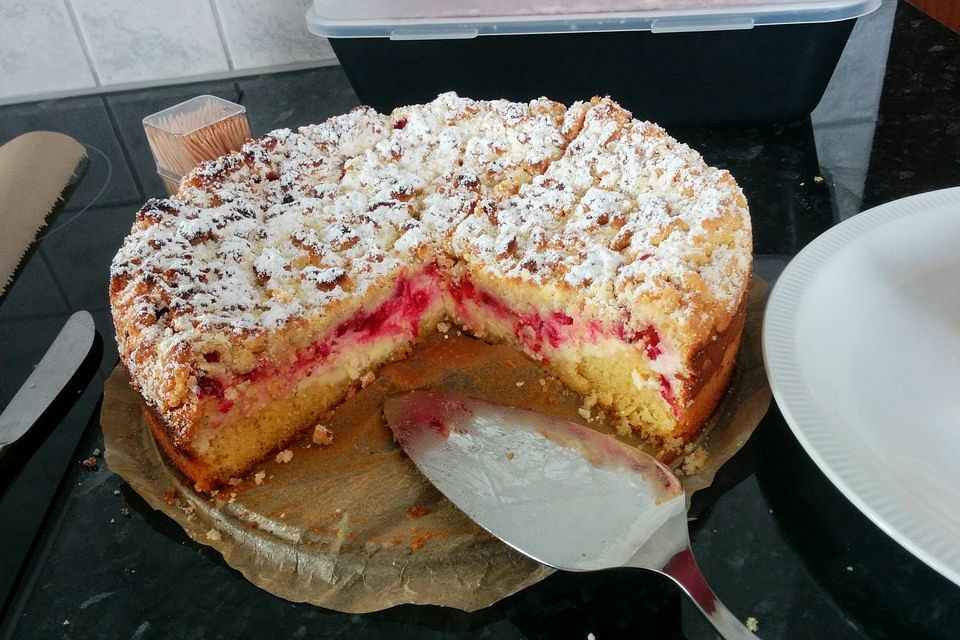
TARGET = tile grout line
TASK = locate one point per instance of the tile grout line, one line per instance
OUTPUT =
(50, 315)
(233, 74)
(123, 147)
(84, 45)
(223, 38)
(53, 277)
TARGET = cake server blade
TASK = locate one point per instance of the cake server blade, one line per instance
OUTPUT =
(59, 364)
(556, 491)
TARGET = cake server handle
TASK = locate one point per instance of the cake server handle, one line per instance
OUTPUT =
(683, 570)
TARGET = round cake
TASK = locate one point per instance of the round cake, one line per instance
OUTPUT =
(247, 305)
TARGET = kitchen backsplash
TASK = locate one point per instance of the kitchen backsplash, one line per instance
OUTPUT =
(52, 48)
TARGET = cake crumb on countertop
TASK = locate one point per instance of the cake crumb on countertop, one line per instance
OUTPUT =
(590, 636)
(753, 624)
(285, 456)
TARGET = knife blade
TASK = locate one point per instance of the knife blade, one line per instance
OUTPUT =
(57, 367)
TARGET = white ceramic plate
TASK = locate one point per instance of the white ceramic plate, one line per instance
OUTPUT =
(861, 341)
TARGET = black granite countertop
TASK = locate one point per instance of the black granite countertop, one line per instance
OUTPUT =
(82, 556)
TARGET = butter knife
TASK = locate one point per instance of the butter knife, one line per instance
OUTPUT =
(51, 376)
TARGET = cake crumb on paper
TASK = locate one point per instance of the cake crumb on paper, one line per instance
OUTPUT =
(285, 456)
(214, 535)
(322, 435)
(694, 460)
(585, 409)
(753, 624)
(259, 476)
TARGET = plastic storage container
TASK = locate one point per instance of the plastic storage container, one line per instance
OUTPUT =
(684, 62)
(186, 134)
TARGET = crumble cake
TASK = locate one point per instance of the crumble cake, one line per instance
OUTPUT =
(248, 304)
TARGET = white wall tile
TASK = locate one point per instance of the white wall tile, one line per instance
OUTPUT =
(145, 40)
(263, 34)
(39, 50)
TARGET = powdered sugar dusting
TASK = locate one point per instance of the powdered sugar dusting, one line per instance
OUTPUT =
(299, 226)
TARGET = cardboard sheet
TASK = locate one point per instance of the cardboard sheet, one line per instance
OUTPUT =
(35, 169)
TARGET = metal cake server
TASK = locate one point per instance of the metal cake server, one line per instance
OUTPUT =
(565, 495)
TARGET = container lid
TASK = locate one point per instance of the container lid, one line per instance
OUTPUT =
(445, 19)
(194, 114)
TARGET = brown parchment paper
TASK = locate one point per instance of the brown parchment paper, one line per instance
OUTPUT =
(354, 526)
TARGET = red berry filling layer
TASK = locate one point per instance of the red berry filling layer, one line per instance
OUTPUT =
(536, 331)
(401, 314)
(533, 330)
